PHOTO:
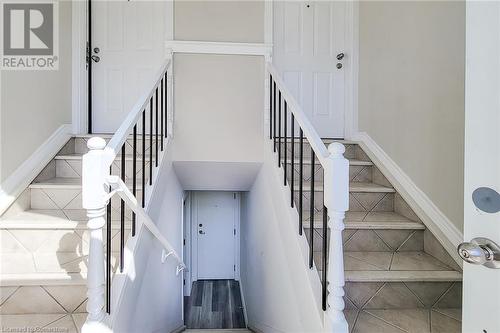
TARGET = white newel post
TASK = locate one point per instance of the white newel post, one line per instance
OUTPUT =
(94, 201)
(337, 202)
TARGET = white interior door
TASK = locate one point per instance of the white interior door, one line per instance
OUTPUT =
(129, 36)
(216, 225)
(308, 36)
(481, 300)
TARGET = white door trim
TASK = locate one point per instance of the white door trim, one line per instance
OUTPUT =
(194, 238)
(352, 69)
(79, 67)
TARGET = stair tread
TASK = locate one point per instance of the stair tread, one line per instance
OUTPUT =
(68, 183)
(352, 162)
(393, 266)
(365, 187)
(371, 220)
(402, 276)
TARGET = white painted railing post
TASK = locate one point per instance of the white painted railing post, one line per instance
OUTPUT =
(94, 201)
(337, 202)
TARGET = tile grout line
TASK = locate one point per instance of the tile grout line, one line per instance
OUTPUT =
(406, 240)
(15, 291)
(385, 321)
(443, 294)
(50, 295)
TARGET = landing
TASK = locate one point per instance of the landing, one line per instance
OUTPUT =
(214, 304)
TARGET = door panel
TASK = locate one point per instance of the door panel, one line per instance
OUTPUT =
(216, 218)
(308, 37)
(129, 35)
(481, 300)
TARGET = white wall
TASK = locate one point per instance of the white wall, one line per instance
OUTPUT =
(411, 92)
(219, 102)
(33, 104)
(219, 21)
(281, 293)
(153, 300)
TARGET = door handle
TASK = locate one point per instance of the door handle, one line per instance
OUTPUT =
(480, 251)
(201, 232)
(340, 56)
(96, 58)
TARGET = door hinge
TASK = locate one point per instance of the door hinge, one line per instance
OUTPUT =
(234, 268)
(184, 241)
(184, 281)
(234, 232)
(234, 196)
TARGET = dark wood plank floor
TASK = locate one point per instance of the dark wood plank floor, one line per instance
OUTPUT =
(214, 304)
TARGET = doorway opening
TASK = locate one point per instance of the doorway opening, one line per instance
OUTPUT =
(212, 294)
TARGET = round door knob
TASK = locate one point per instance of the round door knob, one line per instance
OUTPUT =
(339, 65)
(472, 253)
(96, 58)
(480, 251)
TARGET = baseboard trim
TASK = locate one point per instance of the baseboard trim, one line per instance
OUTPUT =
(17, 182)
(179, 329)
(433, 218)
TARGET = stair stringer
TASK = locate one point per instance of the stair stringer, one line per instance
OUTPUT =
(268, 203)
(446, 233)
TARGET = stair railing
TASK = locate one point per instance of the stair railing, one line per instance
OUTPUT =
(284, 114)
(99, 186)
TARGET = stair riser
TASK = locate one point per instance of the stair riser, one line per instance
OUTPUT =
(403, 295)
(70, 199)
(79, 145)
(357, 173)
(372, 240)
(358, 201)
(71, 168)
(44, 299)
(353, 151)
(67, 242)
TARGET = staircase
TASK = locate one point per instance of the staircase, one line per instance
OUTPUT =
(44, 245)
(398, 277)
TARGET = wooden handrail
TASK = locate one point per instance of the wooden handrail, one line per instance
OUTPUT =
(309, 132)
(114, 145)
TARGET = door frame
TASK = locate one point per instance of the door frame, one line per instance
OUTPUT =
(79, 77)
(194, 234)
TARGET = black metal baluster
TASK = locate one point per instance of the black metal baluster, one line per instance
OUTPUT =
(301, 179)
(143, 158)
(156, 127)
(150, 141)
(134, 174)
(270, 107)
(285, 147)
(274, 117)
(166, 105)
(108, 252)
(122, 212)
(292, 165)
(161, 121)
(279, 130)
(325, 251)
(311, 212)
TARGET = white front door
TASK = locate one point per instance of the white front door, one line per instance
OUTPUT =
(308, 36)
(129, 36)
(481, 300)
(216, 218)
